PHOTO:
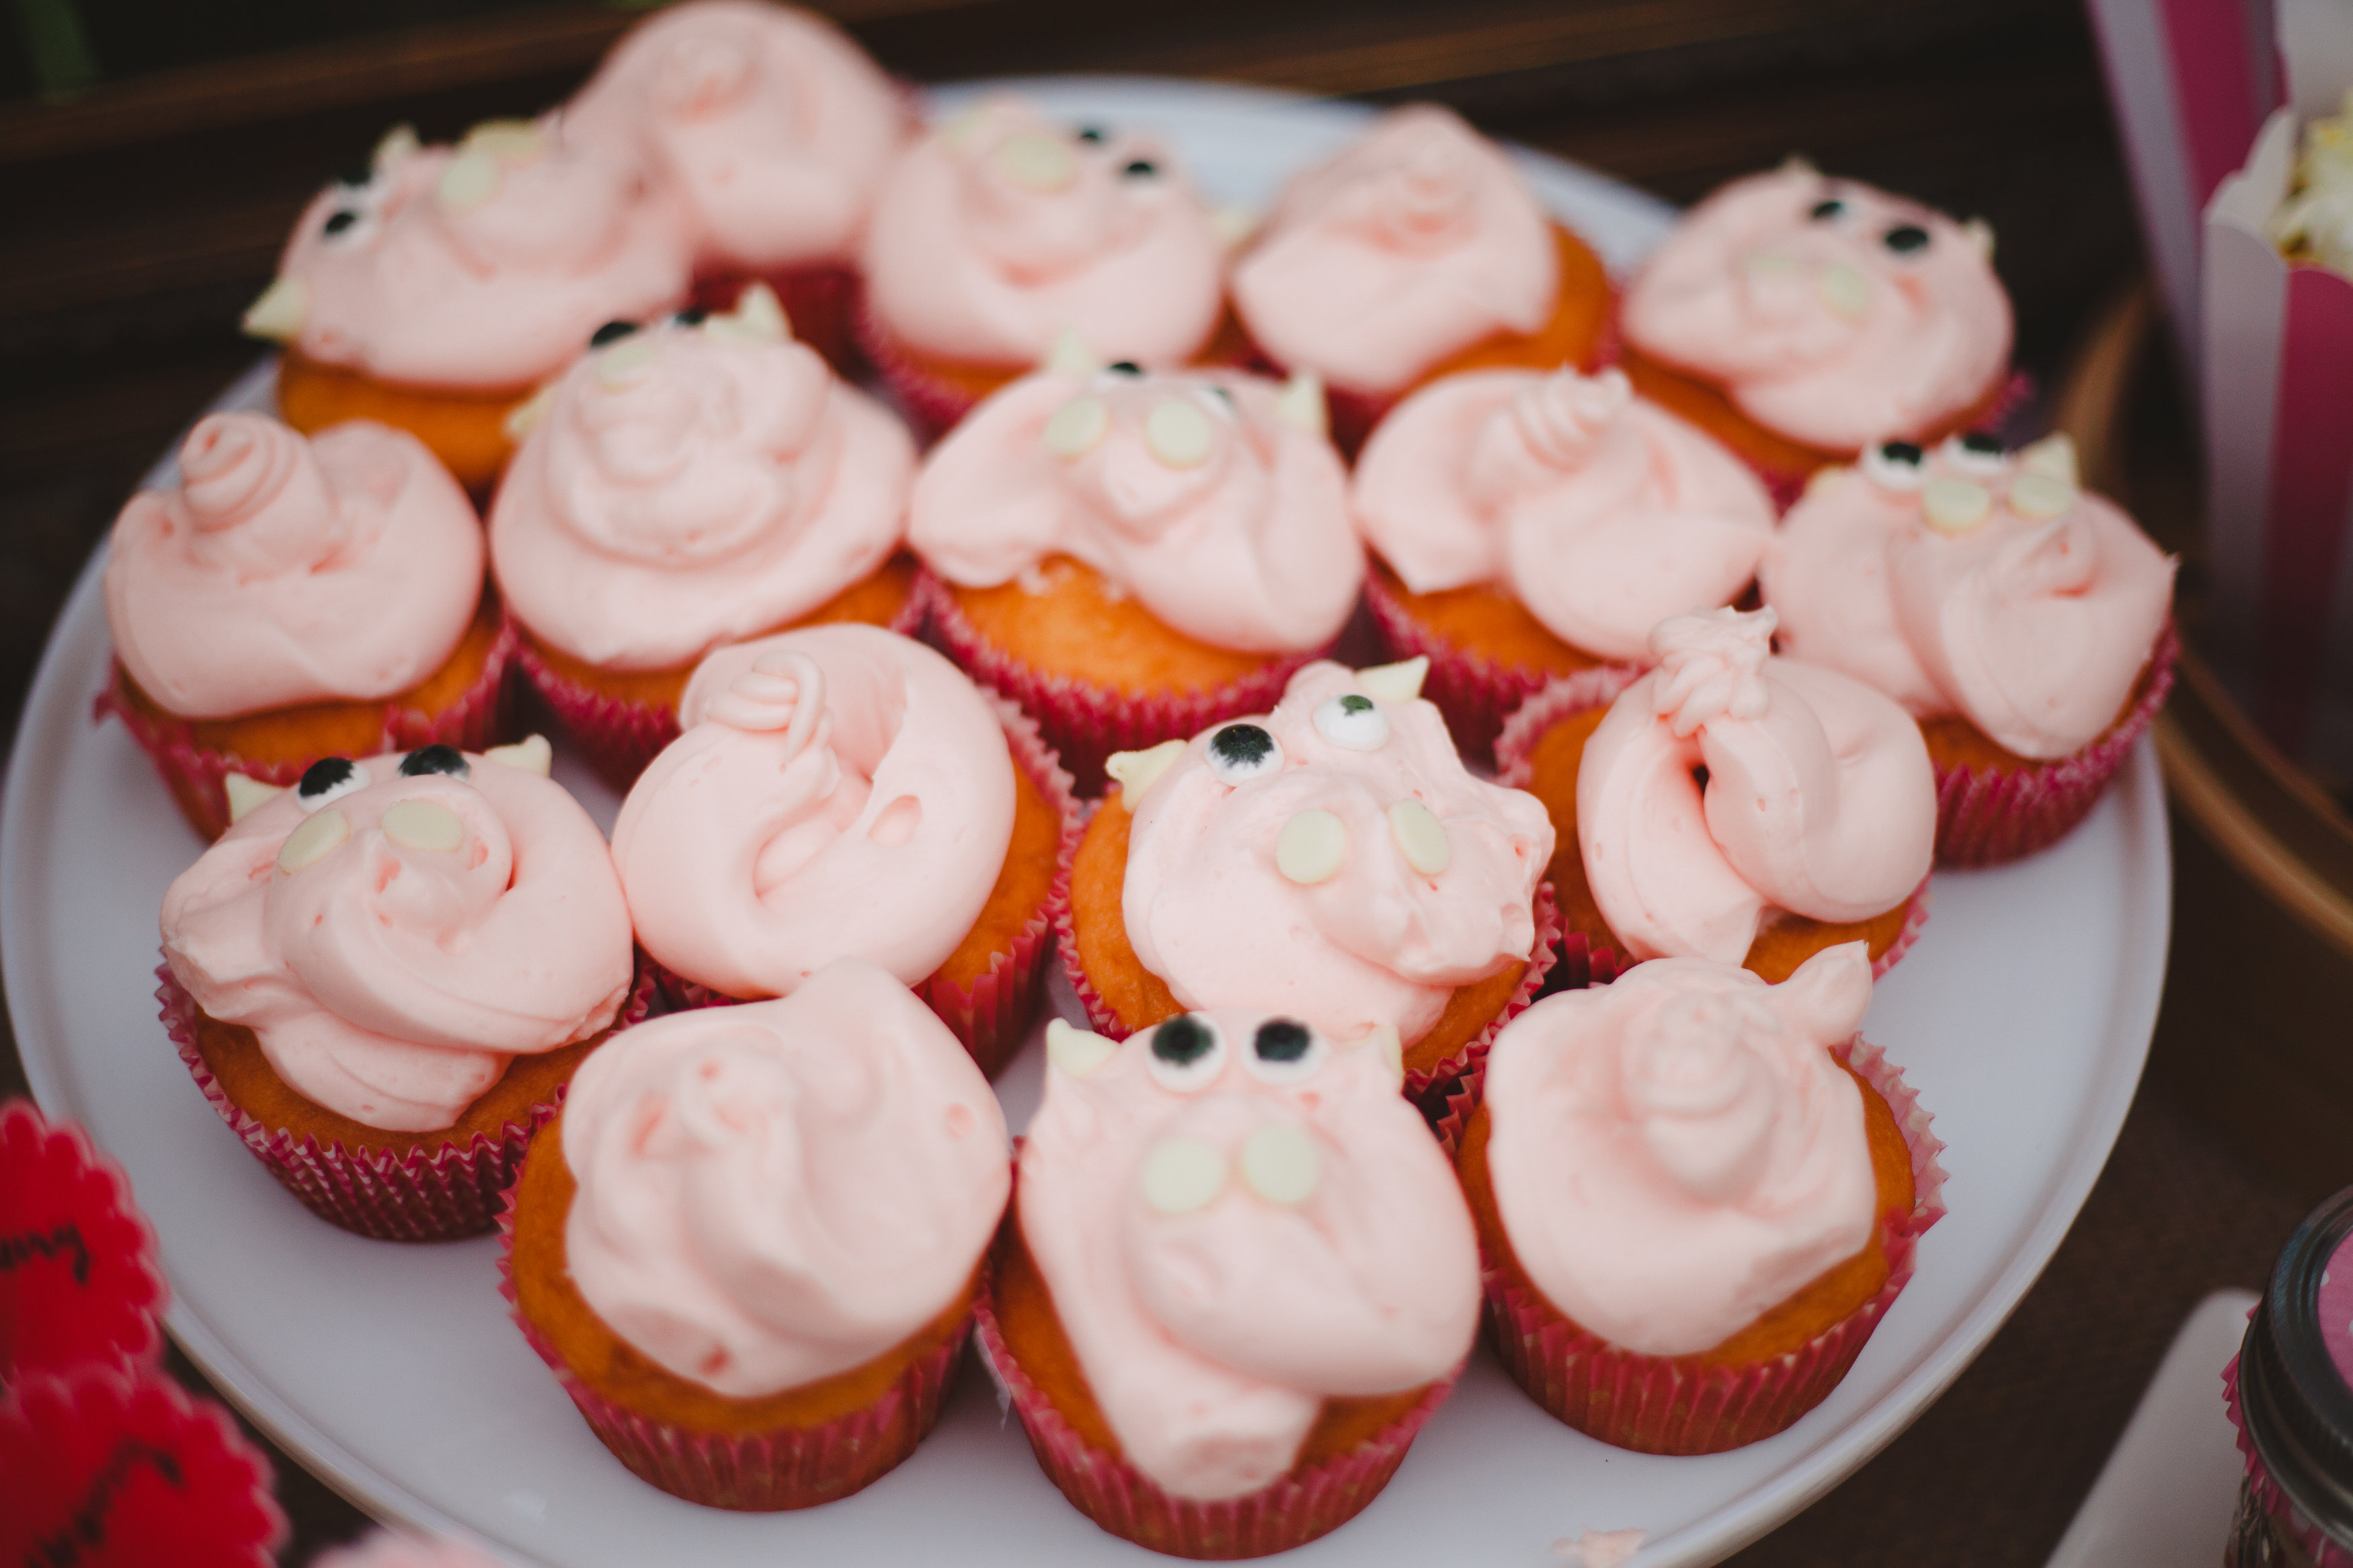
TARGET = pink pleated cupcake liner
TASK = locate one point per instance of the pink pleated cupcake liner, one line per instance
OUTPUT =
(1313, 1499)
(1556, 700)
(1679, 1405)
(933, 405)
(1085, 724)
(196, 774)
(420, 1195)
(1988, 816)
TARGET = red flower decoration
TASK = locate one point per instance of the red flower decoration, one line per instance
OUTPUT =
(78, 1281)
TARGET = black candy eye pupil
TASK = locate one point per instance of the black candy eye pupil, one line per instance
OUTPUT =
(692, 316)
(1905, 238)
(1902, 452)
(1182, 1040)
(1124, 367)
(323, 775)
(1281, 1040)
(341, 220)
(611, 332)
(1242, 744)
(435, 759)
(1352, 703)
(1090, 134)
(1141, 169)
(1823, 211)
(1982, 442)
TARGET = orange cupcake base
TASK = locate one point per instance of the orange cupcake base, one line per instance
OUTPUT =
(463, 427)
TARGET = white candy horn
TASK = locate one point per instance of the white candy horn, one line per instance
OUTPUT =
(531, 754)
(759, 316)
(1137, 772)
(244, 795)
(1074, 1051)
(281, 311)
(1301, 403)
(1399, 683)
(1070, 355)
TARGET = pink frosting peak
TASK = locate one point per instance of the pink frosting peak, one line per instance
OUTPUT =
(1829, 312)
(1002, 229)
(1675, 1154)
(1599, 511)
(395, 941)
(692, 486)
(1332, 859)
(772, 1194)
(1818, 797)
(1204, 494)
(1237, 1220)
(283, 571)
(774, 128)
(840, 791)
(1416, 241)
(483, 266)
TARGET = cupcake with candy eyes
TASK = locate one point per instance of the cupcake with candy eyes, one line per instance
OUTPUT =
(383, 977)
(1238, 1280)
(841, 792)
(2025, 623)
(1696, 1196)
(435, 288)
(683, 486)
(288, 599)
(749, 1247)
(1798, 319)
(1530, 525)
(1132, 556)
(1002, 232)
(1416, 252)
(1729, 805)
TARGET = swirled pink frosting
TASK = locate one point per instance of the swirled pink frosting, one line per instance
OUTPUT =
(483, 266)
(692, 486)
(1818, 797)
(772, 125)
(2032, 627)
(1675, 1154)
(1209, 908)
(444, 926)
(282, 571)
(1826, 329)
(840, 792)
(1418, 240)
(1235, 530)
(1002, 228)
(1319, 1248)
(1599, 511)
(772, 1194)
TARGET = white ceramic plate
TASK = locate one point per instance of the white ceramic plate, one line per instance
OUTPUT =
(2023, 1016)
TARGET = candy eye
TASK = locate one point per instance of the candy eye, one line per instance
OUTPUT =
(1091, 134)
(692, 316)
(1354, 722)
(329, 778)
(435, 759)
(1284, 1050)
(610, 332)
(1974, 453)
(1240, 752)
(1894, 464)
(1188, 1053)
(1905, 238)
(1827, 209)
(1127, 367)
(340, 220)
(1141, 169)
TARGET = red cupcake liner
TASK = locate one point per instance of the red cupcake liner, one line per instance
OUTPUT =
(1679, 1404)
(1085, 724)
(80, 1283)
(992, 1017)
(934, 403)
(820, 303)
(420, 1195)
(194, 774)
(1311, 1500)
(1988, 816)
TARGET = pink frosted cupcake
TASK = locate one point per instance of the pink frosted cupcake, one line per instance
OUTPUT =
(288, 600)
(1238, 1279)
(774, 130)
(383, 978)
(2025, 623)
(749, 1247)
(1001, 233)
(687, 485)
(1531, 525)
(1133, 556)
(842, 792)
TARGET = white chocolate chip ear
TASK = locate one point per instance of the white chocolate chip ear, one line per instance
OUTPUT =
(1399, 683)
(1180, 433)
(1077, 1052)
(517, 141)
(1980, 233)
(1037, 161)
(1383, 1038)
(1233, 225)
(527, 416)
(396, 144)
(1071, 356)
(1301, 403)
(531, 754)
(281, 311)
(1075, 428)
(319, 833)
(1137, 772)
(467, 181)
(1955, 506)
(1421, 836)
(2053, 457)
(1182, 1174)
(1279, 1162)
(1312, 848)
(245, 793)
(958, 132)
(1823, 477)
(758, 318)
(422, 825)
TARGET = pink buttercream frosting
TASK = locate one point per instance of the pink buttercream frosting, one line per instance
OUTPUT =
(772, 1194)
(2033, 627)
(840, 792)
(1818, 797)
(1829, 312)
(774, 127)
(1215, 906)
(1001, 229)
(395, 943)
(483, 266)
(1417, 241)
(1675, 1154)
(1233, 1235)
(1599, 511)
(1190, 490)
(282, 571)
(692, 486)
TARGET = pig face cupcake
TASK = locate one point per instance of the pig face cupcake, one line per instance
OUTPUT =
(1238, 1281)
(435, 288)
(383, 977)
(748, 1248)
(1532, 525)
(2025, 623)
(687, 485)
(290, 599)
